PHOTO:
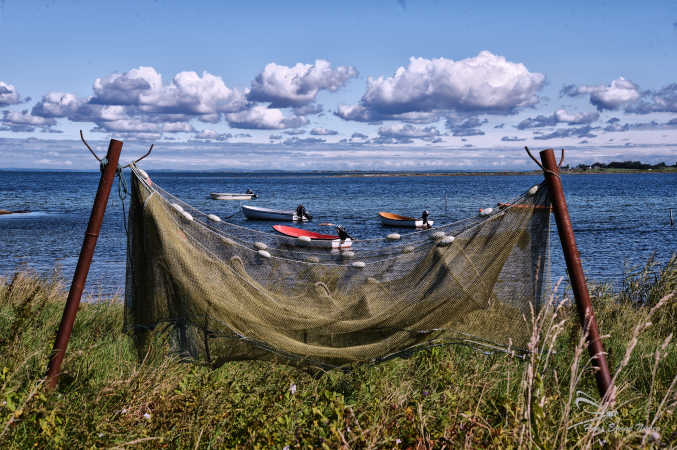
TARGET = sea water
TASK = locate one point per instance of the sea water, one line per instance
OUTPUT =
(619, 220)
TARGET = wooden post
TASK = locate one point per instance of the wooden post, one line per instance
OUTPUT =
(81, 270)
(576, 276)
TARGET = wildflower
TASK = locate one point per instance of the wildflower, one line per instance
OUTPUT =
(146, 416)
(398, 441)
(292, 389)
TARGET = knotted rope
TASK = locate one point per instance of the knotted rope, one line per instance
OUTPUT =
(551, 172)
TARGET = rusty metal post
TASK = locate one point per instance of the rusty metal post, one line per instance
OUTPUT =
(84, 261)
(576, 276)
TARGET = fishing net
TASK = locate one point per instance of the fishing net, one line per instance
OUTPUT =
(227, 292)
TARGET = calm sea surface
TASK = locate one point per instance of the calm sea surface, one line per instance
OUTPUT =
(619, 219)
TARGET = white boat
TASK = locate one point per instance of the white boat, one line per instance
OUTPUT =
(396, 220)
(231, 196)
(258, 213)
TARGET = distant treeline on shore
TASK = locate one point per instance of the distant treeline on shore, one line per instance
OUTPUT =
(631, 165)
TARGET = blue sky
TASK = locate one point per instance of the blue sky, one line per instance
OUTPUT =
(348, 85)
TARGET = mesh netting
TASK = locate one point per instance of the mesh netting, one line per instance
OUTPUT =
(229, 293)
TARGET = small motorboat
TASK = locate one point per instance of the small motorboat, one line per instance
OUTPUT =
(5, 212)
(249, 195)
(312, 239)
(397, 220)
(258, 213)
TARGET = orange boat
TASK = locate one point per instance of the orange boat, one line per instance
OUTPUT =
(396, 220)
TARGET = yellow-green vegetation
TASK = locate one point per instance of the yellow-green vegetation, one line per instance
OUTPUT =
(444, 397)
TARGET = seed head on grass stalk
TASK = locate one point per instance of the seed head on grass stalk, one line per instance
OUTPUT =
(609, 399)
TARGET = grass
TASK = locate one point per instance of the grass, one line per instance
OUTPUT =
(444, 397)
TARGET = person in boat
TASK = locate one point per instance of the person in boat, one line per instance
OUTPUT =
(250, 192)
(301, 213)
(343, 234)
(424, 217)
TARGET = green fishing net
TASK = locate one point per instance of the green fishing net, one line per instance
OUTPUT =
(225, 292)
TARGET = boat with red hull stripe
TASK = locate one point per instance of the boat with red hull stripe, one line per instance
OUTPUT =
(312, 239)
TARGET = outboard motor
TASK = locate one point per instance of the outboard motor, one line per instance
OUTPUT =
(424, 216)
(301, 213)
(343, 234)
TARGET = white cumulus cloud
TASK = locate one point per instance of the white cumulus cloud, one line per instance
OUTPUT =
(662, 100)
(559, 116)
(56, 104)
(24, 121)
(187, 93)
(190, 93)
(618, 93)
(486, 83)
(284, 86)
(405, 134)
(126, 88)
(8, 95)
(263, 118)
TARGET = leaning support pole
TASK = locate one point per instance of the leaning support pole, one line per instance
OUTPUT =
(576, 276)
(86, 254)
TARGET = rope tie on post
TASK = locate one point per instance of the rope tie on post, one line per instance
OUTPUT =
(123, 189)
(104, 161)
(551, 172)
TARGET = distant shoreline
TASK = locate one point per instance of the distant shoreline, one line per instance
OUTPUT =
(366, 173)
(488, 173)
